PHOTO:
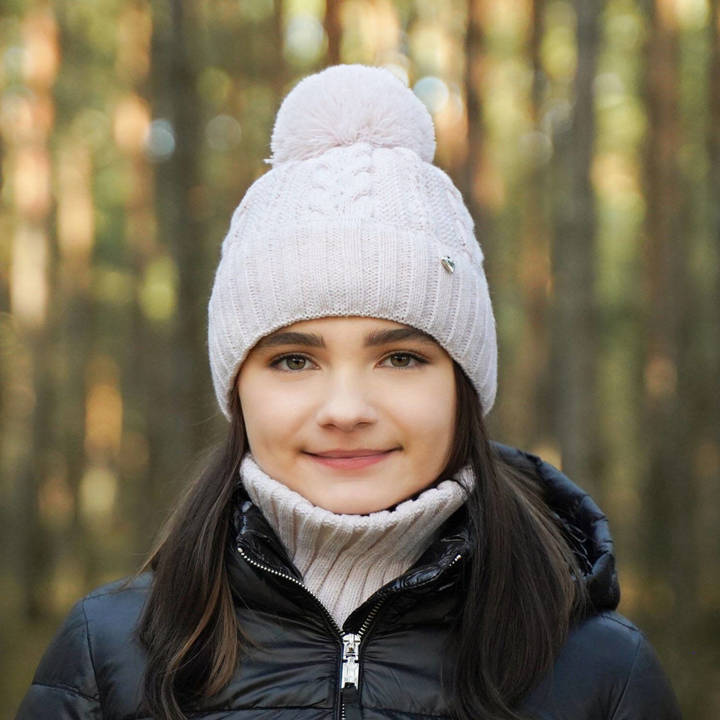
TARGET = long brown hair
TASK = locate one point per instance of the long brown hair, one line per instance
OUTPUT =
(519, 599)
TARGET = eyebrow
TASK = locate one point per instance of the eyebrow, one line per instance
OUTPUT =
(375, 338)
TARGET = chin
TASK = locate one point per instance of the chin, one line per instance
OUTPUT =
(354, 505)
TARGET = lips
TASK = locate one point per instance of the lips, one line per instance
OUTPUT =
(350, 459)
(360, 452)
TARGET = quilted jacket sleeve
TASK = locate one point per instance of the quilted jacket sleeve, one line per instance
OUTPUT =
(647, 694)
(64, 686)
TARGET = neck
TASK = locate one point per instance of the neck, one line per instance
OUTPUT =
(344, 559)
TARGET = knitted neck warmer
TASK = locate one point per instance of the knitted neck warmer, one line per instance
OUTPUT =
(344, 559)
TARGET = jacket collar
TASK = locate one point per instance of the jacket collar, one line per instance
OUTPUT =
(584, 524)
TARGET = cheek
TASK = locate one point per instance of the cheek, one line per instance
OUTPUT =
(428, 419)
(276, 418)
(266, 415)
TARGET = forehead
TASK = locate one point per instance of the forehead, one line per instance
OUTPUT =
(369, 331)
(351, 324)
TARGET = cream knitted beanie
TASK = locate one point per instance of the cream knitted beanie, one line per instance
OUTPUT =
(352, 219)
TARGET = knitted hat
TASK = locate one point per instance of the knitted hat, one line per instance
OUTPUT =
(353, 219)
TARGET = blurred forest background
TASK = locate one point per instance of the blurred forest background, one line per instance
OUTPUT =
(586, 138)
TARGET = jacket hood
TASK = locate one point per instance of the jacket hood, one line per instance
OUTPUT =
(584, 524)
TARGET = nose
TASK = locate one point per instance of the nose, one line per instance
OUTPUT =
(345, 404)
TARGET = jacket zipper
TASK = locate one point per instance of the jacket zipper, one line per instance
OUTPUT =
(350, 666)
(350, 675)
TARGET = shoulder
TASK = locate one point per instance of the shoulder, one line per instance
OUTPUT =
(112, 613)
(607, 670)
(606, 643)
(115, 607)
(92, 645)
(105, 616)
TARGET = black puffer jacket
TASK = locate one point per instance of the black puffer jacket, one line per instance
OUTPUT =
(392, 644)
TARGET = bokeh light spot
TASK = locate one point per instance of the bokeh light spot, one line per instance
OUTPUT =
(160, 140)
(433, 92)
(304, 39)
(223, 132)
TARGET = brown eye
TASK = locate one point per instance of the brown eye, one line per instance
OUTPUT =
(290, 362)
(404, 360)
(400, 360)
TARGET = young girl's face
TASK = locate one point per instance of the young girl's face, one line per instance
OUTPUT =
(355, 414)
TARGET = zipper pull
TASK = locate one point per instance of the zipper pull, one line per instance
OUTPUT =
(349, 695)
(351, 703)
(350, 665)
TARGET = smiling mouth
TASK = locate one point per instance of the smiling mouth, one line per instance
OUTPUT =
(350, 459)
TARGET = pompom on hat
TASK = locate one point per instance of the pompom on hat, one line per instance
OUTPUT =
(352, 220)
(350, 104)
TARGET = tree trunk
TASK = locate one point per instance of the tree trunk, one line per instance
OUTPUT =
(181, 398)
(709, 438)
(575, 345)
(530, 415)
(333, 30)
(713, 186)
(76, 237)
(669, 488)
(32, 288)
(470, 179)
(279, 69)
(140, 461)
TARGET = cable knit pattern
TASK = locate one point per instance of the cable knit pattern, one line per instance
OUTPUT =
(352, 219)
(344, 559)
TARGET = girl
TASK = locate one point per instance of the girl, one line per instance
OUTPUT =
(359, 548)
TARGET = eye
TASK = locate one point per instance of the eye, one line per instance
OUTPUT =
(290, 363)
(404, 360)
